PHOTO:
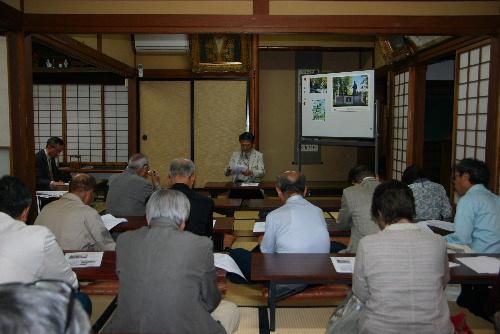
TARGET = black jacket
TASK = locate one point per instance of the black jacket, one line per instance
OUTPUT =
(200, 220)
(43, 174)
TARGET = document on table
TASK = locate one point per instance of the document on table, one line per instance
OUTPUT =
(250, 184)
(343, 264)
(84, 259)
(453, 265)
(424, 227)
(50, 193)
(238, 169)
(111, 221)
(481, 264)
(440, 224)
(227, 263)
(259, 227)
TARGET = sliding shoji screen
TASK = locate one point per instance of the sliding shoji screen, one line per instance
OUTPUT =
(91, 119)
(47, 111)
(472, 103)
(400, 123)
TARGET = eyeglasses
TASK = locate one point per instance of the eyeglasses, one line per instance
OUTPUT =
(55, 286)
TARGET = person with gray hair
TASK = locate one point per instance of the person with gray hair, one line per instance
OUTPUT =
(129, 191)
(41, 307)
(182, 176)
(167, 276)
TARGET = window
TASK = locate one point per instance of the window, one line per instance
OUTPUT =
(400, 124)
(91, 119)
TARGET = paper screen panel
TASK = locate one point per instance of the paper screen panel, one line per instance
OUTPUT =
(399, 123)
(220, 116)
(166, 120)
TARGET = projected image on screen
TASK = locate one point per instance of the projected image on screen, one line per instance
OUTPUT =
(318, 110)
(350, 90)
(318, 85)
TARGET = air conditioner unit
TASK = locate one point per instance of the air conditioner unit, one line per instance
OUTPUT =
(161, 43)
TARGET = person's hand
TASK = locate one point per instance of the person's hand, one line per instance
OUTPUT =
(155, 177)
(248, 172)
(228, 171)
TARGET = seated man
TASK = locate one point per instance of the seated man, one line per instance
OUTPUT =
(76, 225)
(477, 224)
(48, 175)
(200, 219)
(248, 161)
(296, 227)
(167, 276)
(27, 253)
(355, 213)
(41, 307)
(130, 190)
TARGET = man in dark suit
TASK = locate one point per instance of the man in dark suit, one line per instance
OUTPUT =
(200, 220)
(48, 175)
(167, 276)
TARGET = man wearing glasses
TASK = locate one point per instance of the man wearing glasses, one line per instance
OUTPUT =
(48, 175)
(130, 190)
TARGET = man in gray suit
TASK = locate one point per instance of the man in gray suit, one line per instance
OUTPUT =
(130, 190)
(167, 276)
(355, 213)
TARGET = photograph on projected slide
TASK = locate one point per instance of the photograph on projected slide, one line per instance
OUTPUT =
(350, 91)
(318, 85)
(318, 110)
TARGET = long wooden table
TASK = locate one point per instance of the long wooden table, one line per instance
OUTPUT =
(268, 204)
(222, 224)
(318, 269)
(316, 188)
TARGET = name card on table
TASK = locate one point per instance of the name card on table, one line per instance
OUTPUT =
(259, 227)
(343, 264)
(84, 259)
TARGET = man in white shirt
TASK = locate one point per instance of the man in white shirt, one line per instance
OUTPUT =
(27, 253)
(246, 165)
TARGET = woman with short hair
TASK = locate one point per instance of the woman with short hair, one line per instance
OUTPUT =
(400, 273)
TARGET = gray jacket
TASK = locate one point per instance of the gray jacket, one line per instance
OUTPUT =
(355, 212)
(400, 274)
(167, 282)
(128, 194)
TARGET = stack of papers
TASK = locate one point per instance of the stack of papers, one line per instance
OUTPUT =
(227, 263)
(111, 221)
(238, 169)
(259, 227)
(249, 184)
(343, 264)
(84, 259)
(482, 264)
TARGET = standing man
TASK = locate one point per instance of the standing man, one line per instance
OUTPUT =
(48, 175)
(355, 212)
(246, 165)
(76, 225)
(477, 224)
(167, 276)
(27, 253)
(182, 176)
(130, 190)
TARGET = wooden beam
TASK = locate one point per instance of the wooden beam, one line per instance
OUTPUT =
(254, 91)
(261, 7)
(349, 24)
(162, 74)
(21, 110)
(10, 18)
(419, 115)
(76, 49)
(133, 117)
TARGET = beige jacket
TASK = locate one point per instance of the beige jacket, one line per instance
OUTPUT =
(76, 225)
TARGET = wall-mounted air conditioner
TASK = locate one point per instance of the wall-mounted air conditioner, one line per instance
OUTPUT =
(161, 43)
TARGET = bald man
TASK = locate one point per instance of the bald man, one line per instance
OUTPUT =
(76, 225)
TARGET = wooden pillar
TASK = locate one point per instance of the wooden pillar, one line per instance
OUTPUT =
(133, 117)
(254, 90)
(21, 109)
(419, 114)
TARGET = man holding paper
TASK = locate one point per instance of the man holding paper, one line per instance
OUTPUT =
(76, 225)
(246, 165)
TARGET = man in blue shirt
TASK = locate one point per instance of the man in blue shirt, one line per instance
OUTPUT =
(477, 220)
(477, 225)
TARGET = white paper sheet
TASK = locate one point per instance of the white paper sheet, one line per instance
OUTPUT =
(440, 224)
(453, 264)
(50, 193)
(343, 264)
(259, 227)
(111, 221)
(214, 223)
(227, 263)
(424, 227)
(84, 259)
(481, 264)
(238, 169)
(249, 184)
